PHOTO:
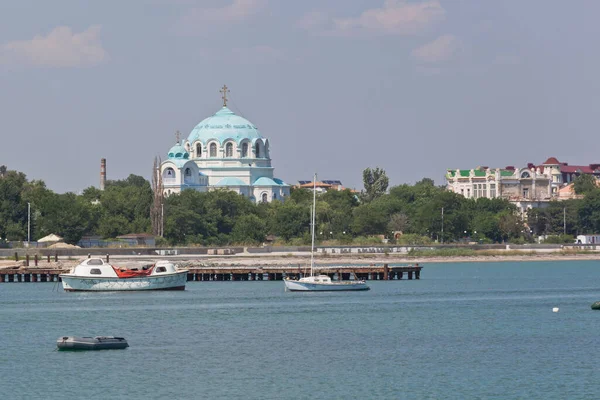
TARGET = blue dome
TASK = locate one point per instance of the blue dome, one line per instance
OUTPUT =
(222, 126)
(178, 151)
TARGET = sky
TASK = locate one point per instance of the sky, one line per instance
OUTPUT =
(414, 87)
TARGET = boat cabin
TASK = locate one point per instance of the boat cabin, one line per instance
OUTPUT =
(97, 267)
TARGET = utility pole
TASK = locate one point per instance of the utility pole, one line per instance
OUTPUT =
(28, 223)
(564, 220)
(442, 225)
(162, 220)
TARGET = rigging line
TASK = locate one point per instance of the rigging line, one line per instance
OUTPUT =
(236, 106)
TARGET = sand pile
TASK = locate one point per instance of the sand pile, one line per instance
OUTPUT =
(61, 245)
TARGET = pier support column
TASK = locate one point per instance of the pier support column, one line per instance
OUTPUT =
(410, 274)
(43, 278)
(33, 277)
(417, 274)
(11, 278)
(386, 272)
(1, 278)
(27, 260)
(48, 257)
(27, 277)
(35, 260)
(19, 278)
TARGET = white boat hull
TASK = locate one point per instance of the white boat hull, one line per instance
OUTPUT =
(297, 286)
(174, 281)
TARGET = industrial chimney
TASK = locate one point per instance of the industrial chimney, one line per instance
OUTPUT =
(102, 173)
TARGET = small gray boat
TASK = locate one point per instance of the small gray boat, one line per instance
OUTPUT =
(91, 343)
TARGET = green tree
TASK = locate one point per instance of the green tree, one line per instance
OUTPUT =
(585, 183)
(589, 212)
(13, 210)
(125, 203)
(290, 220)
(369, 219)
(375, 182)
(66, 215)
(249, 229)
(399, 222)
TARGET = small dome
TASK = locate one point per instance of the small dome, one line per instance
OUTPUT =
(551, 161)
(224, 125)
(178, 151)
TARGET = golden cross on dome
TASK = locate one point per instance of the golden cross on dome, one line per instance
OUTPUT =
(224, 90)
(177, 136)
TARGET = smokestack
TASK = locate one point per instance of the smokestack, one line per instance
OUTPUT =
(102, 173)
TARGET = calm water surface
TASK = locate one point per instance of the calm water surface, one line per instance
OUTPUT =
(464, 331)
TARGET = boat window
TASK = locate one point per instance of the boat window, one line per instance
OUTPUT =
(95, 271)
(161, 269)
(95, 261)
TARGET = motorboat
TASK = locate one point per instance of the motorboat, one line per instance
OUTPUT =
(94, 274)
(91, 343)
(320, 283)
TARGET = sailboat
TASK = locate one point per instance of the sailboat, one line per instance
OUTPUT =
(320, 283)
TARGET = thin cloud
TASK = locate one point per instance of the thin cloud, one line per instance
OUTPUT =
(198, 18)
(314, 20)
(396, 17)
(61, 48)
(441, 49)
(257, 54)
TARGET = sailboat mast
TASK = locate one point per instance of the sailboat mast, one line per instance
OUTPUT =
(312, 245)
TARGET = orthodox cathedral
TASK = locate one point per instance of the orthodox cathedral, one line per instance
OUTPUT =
(224, 151)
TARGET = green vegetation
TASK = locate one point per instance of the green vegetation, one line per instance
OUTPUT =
(411, 213)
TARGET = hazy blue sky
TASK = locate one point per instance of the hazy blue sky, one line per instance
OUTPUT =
(414, 87)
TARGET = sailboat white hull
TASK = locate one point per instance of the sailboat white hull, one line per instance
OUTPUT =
(298, 286)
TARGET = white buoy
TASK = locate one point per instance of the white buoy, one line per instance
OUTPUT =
(555, 309)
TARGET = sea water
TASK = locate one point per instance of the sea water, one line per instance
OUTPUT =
(464, 331)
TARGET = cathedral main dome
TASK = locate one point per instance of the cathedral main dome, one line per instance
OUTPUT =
(222, 126)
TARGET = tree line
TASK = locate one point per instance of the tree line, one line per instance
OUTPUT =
(410, 214)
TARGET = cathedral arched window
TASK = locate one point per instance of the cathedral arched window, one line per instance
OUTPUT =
(213, 149)
(229, 150)
(188, 172)
(198, 150)
(244, 149)
(257, 149)
(264, 198)
(169, 173)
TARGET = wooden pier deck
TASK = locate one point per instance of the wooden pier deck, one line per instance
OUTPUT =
(236, 273)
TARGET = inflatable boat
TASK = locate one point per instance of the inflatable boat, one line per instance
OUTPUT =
(91, 343)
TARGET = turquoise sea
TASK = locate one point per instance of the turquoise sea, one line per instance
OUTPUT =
(464, 331)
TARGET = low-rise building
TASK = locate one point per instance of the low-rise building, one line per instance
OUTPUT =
(528, 187)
